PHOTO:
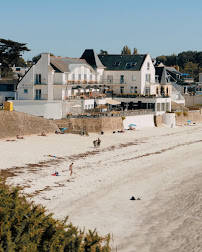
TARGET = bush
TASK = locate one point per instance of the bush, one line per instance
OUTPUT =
(26, 227)
(185, 113)
(178, 113)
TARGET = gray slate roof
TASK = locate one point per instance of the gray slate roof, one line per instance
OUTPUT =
(92, 58)
(122, 61)
(60, 64)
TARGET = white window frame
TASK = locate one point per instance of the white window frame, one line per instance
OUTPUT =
(133, 77)
(38, 78)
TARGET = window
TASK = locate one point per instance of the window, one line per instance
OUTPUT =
(148, 65)
(117, 63)
(85, 77)
(121, 90)
(92, 106)
(73, 76)
(147, 77)
(25, 91)
(109, 78)
(17, 69)
(38, 78)
(86, 106)
(133, 78)
(79, 76)
(135, 90)
(130, 65)
(91, 77)
(157, 78)
(38, 94)
(121, 79)
(131, 90)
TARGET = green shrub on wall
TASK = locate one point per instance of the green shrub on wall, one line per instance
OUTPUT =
(185, 113)
(178, 113)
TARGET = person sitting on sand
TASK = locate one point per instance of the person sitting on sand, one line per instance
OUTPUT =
(19, 137)
(42, 134)
(71, 169)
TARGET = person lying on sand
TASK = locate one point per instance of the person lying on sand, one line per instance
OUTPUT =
(55, 174)
(19, 137)
(10, 140)
(51, 156)
(42, 134)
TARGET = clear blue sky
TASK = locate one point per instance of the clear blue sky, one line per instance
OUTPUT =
(67, 28)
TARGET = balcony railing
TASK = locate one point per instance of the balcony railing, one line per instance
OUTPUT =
(70, 82)
(114, 81)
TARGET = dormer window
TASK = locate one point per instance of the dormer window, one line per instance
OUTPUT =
(117, 63)
(148, 65)
(157, 78)
(130, 65)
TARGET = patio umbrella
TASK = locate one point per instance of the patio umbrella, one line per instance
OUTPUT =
(132, 125)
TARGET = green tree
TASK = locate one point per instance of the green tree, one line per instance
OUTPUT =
(171, 60)
(103, 52)
(126, 50)
(135, 51)
(10, 54)
(161, 58)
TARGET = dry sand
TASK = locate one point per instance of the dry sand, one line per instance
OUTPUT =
(161, 166)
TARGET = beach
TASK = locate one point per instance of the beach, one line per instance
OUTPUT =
(161, 166)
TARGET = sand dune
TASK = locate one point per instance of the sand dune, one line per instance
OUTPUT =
(161, 166)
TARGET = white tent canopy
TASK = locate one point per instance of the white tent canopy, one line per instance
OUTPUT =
(113, 102)
(76, 106)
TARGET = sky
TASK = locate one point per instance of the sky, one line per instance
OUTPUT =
(66, 28)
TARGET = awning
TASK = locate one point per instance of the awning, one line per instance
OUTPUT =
(113, 102)
(102, 106)
(76, 106)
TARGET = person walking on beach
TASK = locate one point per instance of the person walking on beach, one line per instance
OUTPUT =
(71, 169)
(95, 143)
(98, 141)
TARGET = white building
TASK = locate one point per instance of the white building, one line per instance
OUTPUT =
(55, 78)
(55, 84)
(125, 73)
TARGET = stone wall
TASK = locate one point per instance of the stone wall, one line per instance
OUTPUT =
(14, 123)
(193, 116)
(193, 100)
(158, 120)
(91, 125)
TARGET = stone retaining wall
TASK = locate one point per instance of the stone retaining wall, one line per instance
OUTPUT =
(91, 125)
(14, 123)
(193, 116)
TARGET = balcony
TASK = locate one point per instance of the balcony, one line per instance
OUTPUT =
(42, 82)
(114, 82)
(71, 82)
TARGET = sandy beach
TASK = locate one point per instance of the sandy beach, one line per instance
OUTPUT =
(161, 166)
